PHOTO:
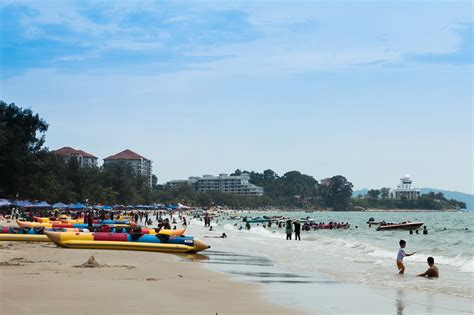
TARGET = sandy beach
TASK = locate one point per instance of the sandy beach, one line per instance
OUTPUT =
(41, 278)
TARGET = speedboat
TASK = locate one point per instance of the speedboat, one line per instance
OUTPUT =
(399, 226)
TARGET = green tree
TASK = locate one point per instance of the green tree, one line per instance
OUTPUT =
(337, 194)
(384, 192)
(237, 172)
(154, 181)
(21, 139)
(373, 194)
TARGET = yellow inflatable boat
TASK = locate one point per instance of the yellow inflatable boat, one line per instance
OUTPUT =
(117, 228)
(26, 234)
(125, 241)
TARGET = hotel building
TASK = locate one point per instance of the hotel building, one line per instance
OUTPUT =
(237, 185)
(84, 158)
(138, 163)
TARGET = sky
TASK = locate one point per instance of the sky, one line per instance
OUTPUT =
(370, 90)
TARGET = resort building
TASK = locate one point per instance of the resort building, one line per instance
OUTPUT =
(404, 189)
(84, 158)
(139, 164)
(237, 185)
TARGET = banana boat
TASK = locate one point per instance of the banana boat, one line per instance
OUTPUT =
(118, 228)
(60, 224)
(26, 234)
(125, 241)
(78, 221)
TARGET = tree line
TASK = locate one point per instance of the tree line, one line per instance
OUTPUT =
(30, 171)
(292, 190)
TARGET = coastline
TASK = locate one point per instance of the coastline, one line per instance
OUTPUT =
(315, 289)
(338, 211)
(242, 274)
(410, 210)
(40, 278)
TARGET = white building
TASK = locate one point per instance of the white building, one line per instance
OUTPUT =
(404, 189)
(139, 164)
(237, 185)
(82, 157)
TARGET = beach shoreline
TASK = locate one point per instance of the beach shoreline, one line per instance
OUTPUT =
(240, 274)
(230, 211)
(319, 291)
(41, 278)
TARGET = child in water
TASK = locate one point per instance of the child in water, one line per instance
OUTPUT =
(432, 271)
(401, 254)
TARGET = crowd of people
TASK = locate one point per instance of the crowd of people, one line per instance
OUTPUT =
(163, 222)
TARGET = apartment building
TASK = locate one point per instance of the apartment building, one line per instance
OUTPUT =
(139, 164)
(84, 158)
(237, 185)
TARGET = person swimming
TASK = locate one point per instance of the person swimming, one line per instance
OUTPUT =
(432, 271)
(222, 236)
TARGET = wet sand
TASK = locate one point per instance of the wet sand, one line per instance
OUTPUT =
(41, 278)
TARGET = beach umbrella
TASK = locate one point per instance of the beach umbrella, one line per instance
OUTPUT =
(5, 202)
(77, 205)
(59, 205)
(183, 207)
(80, 205)
(106, 208)
(22, 203)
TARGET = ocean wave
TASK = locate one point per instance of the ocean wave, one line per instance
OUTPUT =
(355, 250)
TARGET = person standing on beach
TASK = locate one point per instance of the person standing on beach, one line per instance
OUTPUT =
(166, 224)
(401, 254)
(289, 230)
(297, 231)
(89, 220)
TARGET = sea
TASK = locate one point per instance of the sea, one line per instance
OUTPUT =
(360, 255)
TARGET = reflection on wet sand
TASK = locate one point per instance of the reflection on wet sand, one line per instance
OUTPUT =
(193, 257)
(400, 304)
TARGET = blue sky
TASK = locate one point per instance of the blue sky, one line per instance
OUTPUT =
(371, 90)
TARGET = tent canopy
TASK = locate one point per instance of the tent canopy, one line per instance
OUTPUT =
(42, 204)
(59, 205)
(5, 202)
(22, 203)
(77, 205)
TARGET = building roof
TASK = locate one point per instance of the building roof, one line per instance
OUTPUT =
(68, 151)
(126, 155)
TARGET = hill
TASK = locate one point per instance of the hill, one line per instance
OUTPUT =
(456, 195)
